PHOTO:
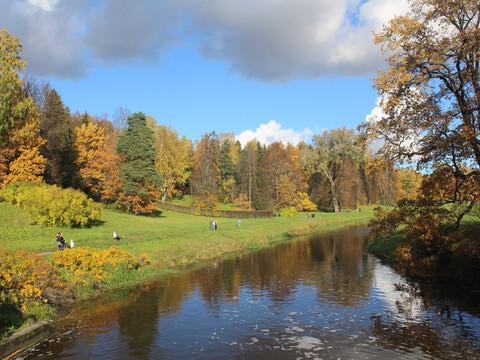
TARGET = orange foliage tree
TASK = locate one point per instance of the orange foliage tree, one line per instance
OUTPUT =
(280, 178)
(205, 172)
(98, 162)
(242, 202)
(430, 99)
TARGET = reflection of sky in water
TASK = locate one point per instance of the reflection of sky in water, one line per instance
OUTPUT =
(384, 289)
(304, 309)
(398, 296)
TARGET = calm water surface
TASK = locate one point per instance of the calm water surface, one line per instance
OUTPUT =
(320, 297)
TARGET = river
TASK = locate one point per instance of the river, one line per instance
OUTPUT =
(318, 297)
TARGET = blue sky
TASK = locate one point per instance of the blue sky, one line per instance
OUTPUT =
(275, 70)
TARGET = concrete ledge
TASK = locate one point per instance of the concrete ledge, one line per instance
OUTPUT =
(24, 338)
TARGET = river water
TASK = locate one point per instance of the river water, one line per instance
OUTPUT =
(319, 297)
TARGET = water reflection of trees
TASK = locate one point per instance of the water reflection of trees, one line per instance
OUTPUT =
(334, 264)
(136, 311)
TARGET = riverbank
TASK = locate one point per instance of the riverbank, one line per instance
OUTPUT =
(171, 240)
(458, 266)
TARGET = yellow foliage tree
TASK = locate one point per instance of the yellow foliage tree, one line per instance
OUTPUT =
(305, 204)
(172, 158)
(287, 196)
(98, 162)
(20, 158)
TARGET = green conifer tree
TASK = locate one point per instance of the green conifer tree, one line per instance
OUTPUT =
(56, 128)
(140, 180)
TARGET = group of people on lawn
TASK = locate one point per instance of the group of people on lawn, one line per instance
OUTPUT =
(62, 244)
(213, 224)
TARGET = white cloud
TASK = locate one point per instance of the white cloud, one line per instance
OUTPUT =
(273, 132)
(46, 5)
(266, 40)
(406, 141)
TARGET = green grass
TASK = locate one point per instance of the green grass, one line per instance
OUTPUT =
(385, 249)
(171, 239)
(185, 200)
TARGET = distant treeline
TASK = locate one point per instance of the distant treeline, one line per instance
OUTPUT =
(131, 161)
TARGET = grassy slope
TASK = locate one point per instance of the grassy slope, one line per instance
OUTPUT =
(172, 238)
(385, 250)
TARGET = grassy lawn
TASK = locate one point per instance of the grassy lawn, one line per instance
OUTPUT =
(171, 239)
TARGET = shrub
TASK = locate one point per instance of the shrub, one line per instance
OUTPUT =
(92, 267)
(28, 280)
(288, 212)
(242, 202)
(234, 214)
(18, 192)
(50, 205)
(306, 204)
(139, 205)
(208, 203)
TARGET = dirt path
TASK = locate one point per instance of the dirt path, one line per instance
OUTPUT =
(45, 253)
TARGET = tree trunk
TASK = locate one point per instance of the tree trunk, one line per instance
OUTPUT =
(335, 201)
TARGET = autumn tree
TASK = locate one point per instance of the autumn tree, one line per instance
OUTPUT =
(140, 180)
(227, 172)
(410, 182)
(314, 180)
(98, 163)
(430, 97)
(172, 158)
(329, 156)
(242, 202)
(352, 193)
(247, 170)
(280, 180)
(205, 172)
(382, 180)
(20, 158)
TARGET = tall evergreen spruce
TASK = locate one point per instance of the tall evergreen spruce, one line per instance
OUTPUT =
(139, 176)
(225, 163)
(56, 128)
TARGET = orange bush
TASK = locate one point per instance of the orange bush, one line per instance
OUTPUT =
(84, 265)
(27, 280)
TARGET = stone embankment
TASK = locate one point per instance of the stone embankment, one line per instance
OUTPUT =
(24, 338)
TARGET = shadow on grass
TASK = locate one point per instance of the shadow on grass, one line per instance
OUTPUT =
(94, 223)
